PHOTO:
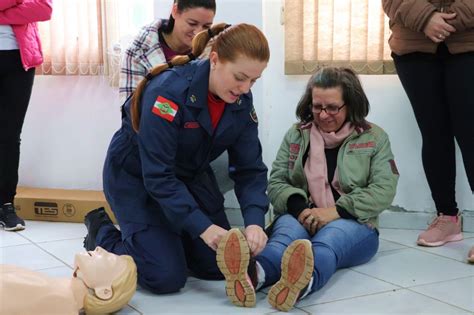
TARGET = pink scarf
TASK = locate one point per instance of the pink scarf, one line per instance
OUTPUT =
(315, 167)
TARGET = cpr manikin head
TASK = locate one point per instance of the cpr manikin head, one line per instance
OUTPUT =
(111, 280)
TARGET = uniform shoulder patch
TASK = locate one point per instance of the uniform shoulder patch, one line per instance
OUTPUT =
(393, 166)
(253, 115)
(165, 108)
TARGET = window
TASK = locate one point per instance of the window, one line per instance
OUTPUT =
(84, 36)
(351, 33)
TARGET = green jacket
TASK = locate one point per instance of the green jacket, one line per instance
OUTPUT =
(367, 172)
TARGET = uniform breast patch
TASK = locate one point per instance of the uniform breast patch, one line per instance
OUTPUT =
(191, 125)
(165, 108)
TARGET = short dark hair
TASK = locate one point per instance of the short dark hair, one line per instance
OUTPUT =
(353, 94)
(185, 5)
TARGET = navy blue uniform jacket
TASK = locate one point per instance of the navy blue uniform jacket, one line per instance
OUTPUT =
(161, 176)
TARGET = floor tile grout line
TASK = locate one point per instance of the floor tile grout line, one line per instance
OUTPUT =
(66, 239)
(425, 250)
(354, 297)
(444, 302)
(439, 282)
(51, 254)
(45, 251)
(135, 309)
(372, 277)
(414, 286)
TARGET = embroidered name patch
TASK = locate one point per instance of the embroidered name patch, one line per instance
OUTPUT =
(191, 125)
(165, 108)
(365, 145)
(294, 148)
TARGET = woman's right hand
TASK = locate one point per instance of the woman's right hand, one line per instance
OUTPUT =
(213, 235)
(437, 29)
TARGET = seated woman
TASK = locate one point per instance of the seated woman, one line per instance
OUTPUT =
(333, 175)
(102, 283)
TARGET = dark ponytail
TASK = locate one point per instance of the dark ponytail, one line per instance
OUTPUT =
(199, 44)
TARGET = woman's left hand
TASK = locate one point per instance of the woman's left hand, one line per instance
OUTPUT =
(256, 238)
(314, 219)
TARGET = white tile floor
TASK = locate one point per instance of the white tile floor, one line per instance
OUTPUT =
(401, 279)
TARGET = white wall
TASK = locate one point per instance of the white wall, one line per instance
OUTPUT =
(71, 119)
(67, 130)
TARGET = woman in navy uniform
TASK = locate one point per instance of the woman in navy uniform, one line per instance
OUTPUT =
(157, 177)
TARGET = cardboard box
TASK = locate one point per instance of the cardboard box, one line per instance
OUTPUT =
(58, 204)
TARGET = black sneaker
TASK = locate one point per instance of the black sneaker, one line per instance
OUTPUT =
(9, 220)
(93, 221)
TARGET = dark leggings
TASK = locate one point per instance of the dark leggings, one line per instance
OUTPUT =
(441, 91)
(15, 92)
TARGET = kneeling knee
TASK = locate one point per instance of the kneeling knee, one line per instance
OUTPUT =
(163, 282)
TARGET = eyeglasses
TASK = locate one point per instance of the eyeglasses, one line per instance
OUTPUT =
(330, 110)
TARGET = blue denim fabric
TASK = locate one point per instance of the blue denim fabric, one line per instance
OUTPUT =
(340, 244)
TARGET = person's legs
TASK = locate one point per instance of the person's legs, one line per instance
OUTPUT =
(157, 252)
(286, 229)
(460, 96)
(243, 274)
(423, 78)
(15, 89)
(341, 244)
(201, 258)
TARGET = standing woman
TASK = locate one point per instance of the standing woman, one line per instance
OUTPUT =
(432, 46)
(20, 53)
(161, 40)
(157, 177)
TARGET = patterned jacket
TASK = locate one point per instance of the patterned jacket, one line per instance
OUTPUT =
(144, 53)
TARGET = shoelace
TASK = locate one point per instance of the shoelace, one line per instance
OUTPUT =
(439, 223)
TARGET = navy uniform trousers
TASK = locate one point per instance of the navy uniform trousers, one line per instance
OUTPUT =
(163, 267)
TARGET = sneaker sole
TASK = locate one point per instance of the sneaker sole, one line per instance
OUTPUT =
(471, 259)
(233, 255)
(453, 238)
(18, 227)
(296, 271)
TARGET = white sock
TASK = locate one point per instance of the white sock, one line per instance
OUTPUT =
(260, 276)
(308, 289)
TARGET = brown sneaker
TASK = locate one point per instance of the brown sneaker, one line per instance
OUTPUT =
(297, 267)
(443, 229)
(470, 256)
(233, 255)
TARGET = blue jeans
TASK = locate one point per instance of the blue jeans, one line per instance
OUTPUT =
(339, 244)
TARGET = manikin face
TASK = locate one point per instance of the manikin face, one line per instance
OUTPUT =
(98, 269)
(228, 80)
(330, 97)
(189, 22)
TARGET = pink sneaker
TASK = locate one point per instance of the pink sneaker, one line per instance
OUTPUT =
(470, 256)
(443, 229)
